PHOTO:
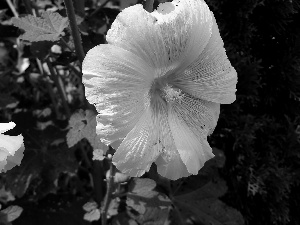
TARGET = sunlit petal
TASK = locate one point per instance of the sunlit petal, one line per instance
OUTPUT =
(186, 27)
(165, 39)
(135, 30)
(6, 126)
(136, 153)
(211, 76)
(190, 121)
(116, 82)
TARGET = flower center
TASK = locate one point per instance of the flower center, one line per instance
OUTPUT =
(163, 90)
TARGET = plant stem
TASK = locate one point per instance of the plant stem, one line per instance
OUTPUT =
(148, 5)
(74, 29)
(12, 8)
(59, 88)
(97, 180)
(99, 8)
(107, 199)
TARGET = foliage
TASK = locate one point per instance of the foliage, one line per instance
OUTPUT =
(257, 139)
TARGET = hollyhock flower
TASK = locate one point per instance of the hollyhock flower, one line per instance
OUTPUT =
(11, 148)
(158, 85)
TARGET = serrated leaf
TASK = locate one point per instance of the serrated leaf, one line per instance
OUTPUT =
(48, 27)
(12, 212)
(204, 207)
(83, 125)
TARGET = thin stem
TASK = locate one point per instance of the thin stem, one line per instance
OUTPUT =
(74, 29)
(52, 97)
(107, 199)
(97, 180)
(148, 5)
(12, 8)
(66, 45)
(99, 8)
(59, 88)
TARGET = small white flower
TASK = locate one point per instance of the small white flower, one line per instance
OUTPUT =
(11, 148)
(157, 86)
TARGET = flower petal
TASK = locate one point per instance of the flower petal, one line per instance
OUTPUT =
(10, 143)
(190, 121)
(117, 83)
(134, 29)
(186, 30)
(211, 76)
(136, 153)
(150, 141)
(6, 126)
(164, 39)
(16, 159)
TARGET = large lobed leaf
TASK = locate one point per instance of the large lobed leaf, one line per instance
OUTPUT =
(203, 207)
(48, 27)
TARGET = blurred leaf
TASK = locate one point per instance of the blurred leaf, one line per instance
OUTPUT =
(203, 206)
(93, 215)
(39, 169)
(6, 99)
(89, 206)
(2, 13)
(113, 207)
(11, 213)
(65, 59)
(92, 211)
(48, 27)
(5, 196)
(150, 204)
(123, 219)
(41, 49)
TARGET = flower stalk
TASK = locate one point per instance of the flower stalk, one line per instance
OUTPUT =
(74, 29)
(107, 199)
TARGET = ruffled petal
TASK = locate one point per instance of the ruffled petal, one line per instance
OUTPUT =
(211, 76)
(186, 30)
(134, 29)
(165, 38)
(190, 121)
(117, 83)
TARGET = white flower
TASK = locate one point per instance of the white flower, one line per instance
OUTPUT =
(11, 148)
(157, 86)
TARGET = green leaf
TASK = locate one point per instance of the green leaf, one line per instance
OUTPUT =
(12, 212)
(48, 27)
(203, 206)
(93, 215)
(151, 205)
(82, 125)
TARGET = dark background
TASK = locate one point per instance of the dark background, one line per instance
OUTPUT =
(259, 133)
